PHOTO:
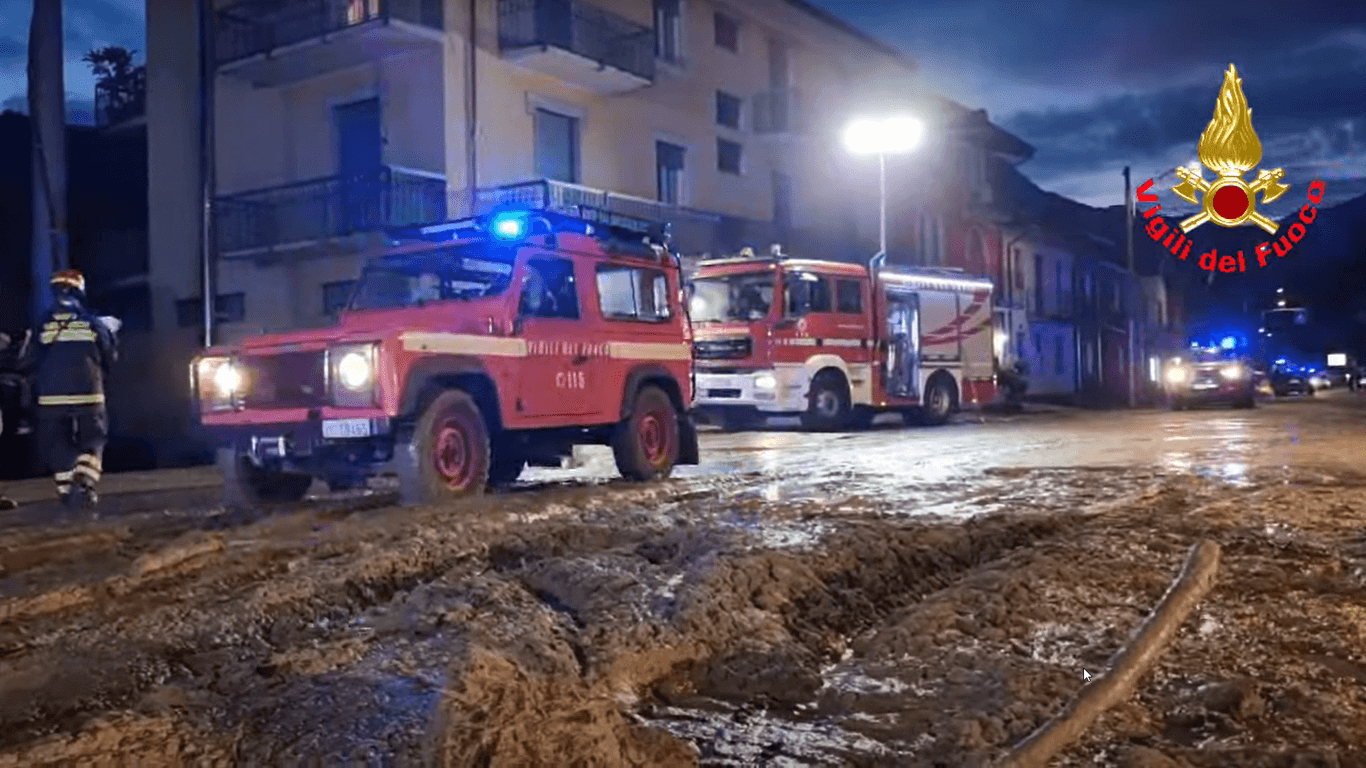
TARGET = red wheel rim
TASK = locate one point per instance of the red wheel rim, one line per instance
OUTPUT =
(654, 437)
(451, 454)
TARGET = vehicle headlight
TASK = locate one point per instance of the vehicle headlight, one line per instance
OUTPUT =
(219, 383)
(765, 381)
(1233, 371)
(354, 374)
(354, 371)
(1177, 374)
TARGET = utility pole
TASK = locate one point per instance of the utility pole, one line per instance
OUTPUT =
(208, 162)
(47, 128)
(1133, 274)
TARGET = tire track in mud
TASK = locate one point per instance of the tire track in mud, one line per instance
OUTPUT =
(526, 628)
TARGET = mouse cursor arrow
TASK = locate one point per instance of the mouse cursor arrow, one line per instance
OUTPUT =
(1085, 675)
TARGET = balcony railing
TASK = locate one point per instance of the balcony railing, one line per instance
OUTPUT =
(254, 27)
(330, 207)
(780, 111)
(119, 102)
(581, 29)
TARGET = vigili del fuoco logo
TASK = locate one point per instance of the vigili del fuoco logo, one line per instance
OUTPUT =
(1230, 148)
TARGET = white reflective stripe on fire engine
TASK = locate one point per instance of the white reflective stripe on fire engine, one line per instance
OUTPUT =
(469, 344)
(463, 344)
(844, 342)
(633, 350)
(796, 342)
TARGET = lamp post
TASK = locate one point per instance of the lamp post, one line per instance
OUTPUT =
(887, 136)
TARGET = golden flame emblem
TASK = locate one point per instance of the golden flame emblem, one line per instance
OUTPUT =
(1230, 148)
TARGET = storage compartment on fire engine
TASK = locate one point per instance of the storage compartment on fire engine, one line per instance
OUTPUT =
(903, 343)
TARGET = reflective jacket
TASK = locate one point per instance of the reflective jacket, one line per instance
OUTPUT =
(69, 355)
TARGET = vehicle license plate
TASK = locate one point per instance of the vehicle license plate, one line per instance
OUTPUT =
(335, 428)
(1205, 385)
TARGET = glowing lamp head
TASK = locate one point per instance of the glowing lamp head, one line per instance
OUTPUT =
(227, 379)
(509, 227)
(891, 136)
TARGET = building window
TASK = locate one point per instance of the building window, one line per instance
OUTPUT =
(728, 110)
(1058, 367)
(848, 297)
(335, 296)
(1060, 288)
(727, 32)
(1038, 284)
(728, 156)
(557, 146)
(551, 290)
(669, 172)
(230, 308)
(668, 30)
(633, 293)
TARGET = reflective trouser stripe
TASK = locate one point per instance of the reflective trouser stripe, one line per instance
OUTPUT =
(63, 480)
(94, 399)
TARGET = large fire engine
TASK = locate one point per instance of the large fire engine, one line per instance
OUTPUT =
(478, 347)
(838, 343)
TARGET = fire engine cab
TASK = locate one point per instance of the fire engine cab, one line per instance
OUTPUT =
(467, 351)
(837, 342)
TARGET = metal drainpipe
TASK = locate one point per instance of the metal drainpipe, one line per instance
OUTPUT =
(472, 108)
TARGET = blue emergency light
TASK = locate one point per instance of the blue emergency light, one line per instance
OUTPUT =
(1229, 342)
(508, 227)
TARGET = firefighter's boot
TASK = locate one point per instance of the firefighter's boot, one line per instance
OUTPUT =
(7, 503)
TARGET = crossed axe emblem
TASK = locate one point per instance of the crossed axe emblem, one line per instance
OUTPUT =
(1268, 182)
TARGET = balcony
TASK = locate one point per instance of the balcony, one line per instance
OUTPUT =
(781, 113)
(121, 103)
(310, 211)
(577, 43)
(272, 43)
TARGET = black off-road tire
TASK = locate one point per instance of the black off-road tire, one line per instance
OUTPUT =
(445, 456)
(828, 408)
(939, 401)
(646, 443)
(1176, 404)
(1249, 401)
(245, 485)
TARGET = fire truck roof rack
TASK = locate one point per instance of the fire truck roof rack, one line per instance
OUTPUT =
(640, 238)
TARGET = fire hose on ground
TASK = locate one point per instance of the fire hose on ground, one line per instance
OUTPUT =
(1125, 668)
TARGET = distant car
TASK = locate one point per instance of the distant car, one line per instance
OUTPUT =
(1207, 376)
(1285, 383)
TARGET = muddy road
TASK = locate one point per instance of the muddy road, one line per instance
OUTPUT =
(898, 597)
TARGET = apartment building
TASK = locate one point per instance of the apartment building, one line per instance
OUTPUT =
(1039, 311)
(335, 120)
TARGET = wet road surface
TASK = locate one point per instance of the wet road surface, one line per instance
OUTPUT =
(902, 596)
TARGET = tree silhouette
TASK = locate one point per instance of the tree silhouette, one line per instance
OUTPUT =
(120, 87)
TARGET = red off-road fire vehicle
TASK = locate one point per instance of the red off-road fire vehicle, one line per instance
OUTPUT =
(475, 349)
(837, 342)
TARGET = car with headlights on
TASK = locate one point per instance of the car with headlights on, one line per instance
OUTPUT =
(1210, 376)
(1287, 380)
(479, 348)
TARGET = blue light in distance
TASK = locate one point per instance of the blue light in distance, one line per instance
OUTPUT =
(509, 227)
(1229, 342)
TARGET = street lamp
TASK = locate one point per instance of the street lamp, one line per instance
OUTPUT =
(888, 136)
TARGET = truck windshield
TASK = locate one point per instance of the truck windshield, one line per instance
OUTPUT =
(731, 297)
(457, 273)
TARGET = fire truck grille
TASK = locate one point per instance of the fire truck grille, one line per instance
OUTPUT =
(723, 349)
(289, 380)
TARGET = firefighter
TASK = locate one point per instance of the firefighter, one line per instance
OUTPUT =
(70, 354)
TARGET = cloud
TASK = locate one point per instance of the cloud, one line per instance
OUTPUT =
(12, 49)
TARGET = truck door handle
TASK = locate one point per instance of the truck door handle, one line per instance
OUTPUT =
(580, 360)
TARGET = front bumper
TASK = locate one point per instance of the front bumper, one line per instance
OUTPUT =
(742, 390)
(314, 446)
(1224, 390)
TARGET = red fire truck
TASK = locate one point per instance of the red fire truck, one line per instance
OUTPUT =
(478, 347)
(837, 342)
